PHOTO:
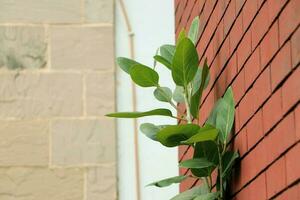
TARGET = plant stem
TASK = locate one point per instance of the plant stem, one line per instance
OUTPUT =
(220, 173)
(187, 104)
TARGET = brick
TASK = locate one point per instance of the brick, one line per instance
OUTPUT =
(101, 183)
(179, 12)
(100, 93)
(22, 47)
(293, 164)
(99, 11)
(83, 142)
(181, 151)
(238, 86)
(274, 8)
(281, 65)
(36, 11)
(292, 193)
(257, 188)
(254, 162)
(260, 25)
(33, 95)
(84, 48)
(262, 88)
(229, 17)
(244, 50)
(289, 19)
(239, 4)
(269, 45)
(240, 142)
(41, 183)
(295, 46)
(218, 38)
(24, 143)
(255, 129)
(297, 122)
(236, 33)
(276, 177)
(281, 138)
(248, 12)
(252, 68)
(272, 111)
(290, 90)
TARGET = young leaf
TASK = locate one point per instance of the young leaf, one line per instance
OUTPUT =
(209, 196)
(126, 63)
(178, 94)
(168, 181)
(206, 133)
(227, 161)
(161, 111)
(192, 193)
(225, 116)
(194, 30)
(163, 61)
(172, 135)
(181, 36)
(150, 130)
(163, 94)
(167, 51)
(196, 163)
(197, 81)
(185, 62)
(144, 76)
(196, 98)
(209, 151)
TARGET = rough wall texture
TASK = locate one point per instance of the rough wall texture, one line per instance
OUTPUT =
(56, 83)
(254, 46)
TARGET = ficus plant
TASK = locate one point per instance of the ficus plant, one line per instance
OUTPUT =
(210, 141)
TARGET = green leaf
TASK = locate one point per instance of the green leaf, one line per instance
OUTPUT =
(212, 119)
(185, 62)
(197, 81)
(194, 30)
(206, 133)
(144, 76)
(172, 135)
(181, 36)
(167, 51)
(163, 61)
(161, 111)
(209, 196)
(209, 151)
(178, 94)
(197, 163)
(225, 116)
(168, 181)
(163, 94)
(126, 63)
(228, 160)
(150, 130)
(196, 98)
(192, 193)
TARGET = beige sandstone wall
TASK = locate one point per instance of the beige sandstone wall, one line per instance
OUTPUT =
(56, 83)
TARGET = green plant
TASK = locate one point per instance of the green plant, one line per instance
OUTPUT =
(210, 141)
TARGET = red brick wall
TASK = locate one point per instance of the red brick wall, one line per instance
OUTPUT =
(254, 46)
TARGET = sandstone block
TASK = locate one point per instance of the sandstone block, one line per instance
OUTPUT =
(82, 48)
(24, 143)
(37, 11)
(100, 93)
(101, 183)
(83, 142)
(35, 95)
(41, 184)
(22, 47)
